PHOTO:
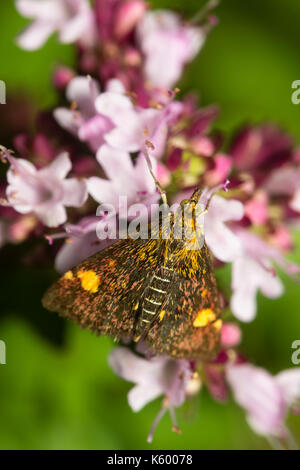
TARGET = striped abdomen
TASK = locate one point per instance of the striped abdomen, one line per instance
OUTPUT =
(155, 296)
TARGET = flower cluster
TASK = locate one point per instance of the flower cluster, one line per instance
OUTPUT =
(120, 101)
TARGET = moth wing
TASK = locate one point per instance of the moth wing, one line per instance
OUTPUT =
(102, 292)
(189, 324)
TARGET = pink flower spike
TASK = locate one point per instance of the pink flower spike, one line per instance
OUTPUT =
(72, 19)
(45, 192)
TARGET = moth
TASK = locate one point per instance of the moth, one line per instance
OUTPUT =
(158, 290)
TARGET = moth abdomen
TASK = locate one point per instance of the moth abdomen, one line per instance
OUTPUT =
(155, 296)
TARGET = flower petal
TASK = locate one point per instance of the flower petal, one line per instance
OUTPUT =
(116, 163)
(131, 367)
(75, 192)
(140, 395)
(68, 119)
(95, 128)
(59, 168)
(42, 10)
(258, 392)
(224, 244)
(115, 86)
(73, 29)
(112, 104)
(102, 191)
(77, 250)
(52, 216)
(289, 382)
(295, 202)
(142, 174)
(83, 90)
(35, 35)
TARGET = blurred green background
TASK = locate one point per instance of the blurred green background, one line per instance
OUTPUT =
(57, 390)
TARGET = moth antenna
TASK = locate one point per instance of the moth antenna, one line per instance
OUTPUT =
(203, 14)
(157, 184)
(207, 194)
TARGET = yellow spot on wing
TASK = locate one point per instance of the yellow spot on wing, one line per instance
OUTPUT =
(89, 280)
(204, 293)
(68, 275)
(204, 317)
(161, 315)
(218, 324)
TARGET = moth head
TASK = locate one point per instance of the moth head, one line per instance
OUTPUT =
(189, 221)
(192, 208)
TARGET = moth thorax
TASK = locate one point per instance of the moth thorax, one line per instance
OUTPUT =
(189, 224)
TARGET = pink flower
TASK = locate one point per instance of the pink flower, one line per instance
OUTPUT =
(168, 45)
(281, 238)
(286, 181)
(163, 175)
(260, 148)
(133, 125)
(153, 378)
(230, 335)
(44, 192)
(18, 230)
(253, 270)
(124, 178)
(84, 122)
(295, 203)
(111, 117)
(215, 381)
(265, 398)
(221, 170)
(72, 19)
(222, 241)
(256, 208)
(82, 242)
(62, 77)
